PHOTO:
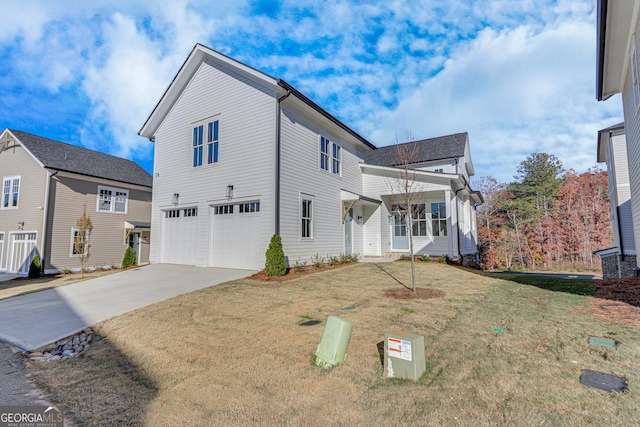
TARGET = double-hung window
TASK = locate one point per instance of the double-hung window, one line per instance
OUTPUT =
(212, 141)
(439, 218)
(330, 156)
(336, 158)
(306, 216)
(112, 200)
(206, 133)
(419, 217)
(79, 243)
(325, 145)
(197, 145)
(10, 192)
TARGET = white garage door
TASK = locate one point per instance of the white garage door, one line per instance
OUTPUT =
(180, 236)
(236, 236)
(22, 251)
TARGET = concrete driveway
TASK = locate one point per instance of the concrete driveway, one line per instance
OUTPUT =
(33, 320)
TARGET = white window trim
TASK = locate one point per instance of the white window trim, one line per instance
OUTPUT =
(311, 198)
(205, 141)
(11, 192)
(112, 207)
(2, 246)
(330, 170)
(74, 230)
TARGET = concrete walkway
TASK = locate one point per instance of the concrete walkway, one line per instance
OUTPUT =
(34, 320)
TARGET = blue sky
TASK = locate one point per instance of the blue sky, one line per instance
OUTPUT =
(519, 76)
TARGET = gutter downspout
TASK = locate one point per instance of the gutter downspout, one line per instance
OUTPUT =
(45, 218)
(278, 144)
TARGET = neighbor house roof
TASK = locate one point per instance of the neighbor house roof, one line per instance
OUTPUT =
(603, 138)
(442, 147)
(71, 158)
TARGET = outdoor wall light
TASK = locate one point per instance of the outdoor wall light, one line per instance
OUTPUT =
(360, 219)
(176, 198)
(229, 192)
(20, 225)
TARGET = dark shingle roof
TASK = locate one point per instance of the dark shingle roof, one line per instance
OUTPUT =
(442, 147)
(71, 158)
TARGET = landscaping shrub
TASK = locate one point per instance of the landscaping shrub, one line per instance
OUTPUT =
(405, 257)
(35, 268)
(129, 258)
(425, 258)
(317, 260)
(444, 259)
(299, 265)
(275, 264)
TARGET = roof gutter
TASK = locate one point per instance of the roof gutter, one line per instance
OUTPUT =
(278, 146)
(602, 35)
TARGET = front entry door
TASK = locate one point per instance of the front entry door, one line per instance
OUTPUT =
(348, 232)
(134, 242)
(399, 236)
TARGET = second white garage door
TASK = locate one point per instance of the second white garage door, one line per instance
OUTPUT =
(236, 236)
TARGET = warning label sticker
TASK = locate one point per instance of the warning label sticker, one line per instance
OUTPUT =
(399, 348)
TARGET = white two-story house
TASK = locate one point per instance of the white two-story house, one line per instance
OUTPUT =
(241, 156)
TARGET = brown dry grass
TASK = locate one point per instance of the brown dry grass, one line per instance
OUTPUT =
(235, 354)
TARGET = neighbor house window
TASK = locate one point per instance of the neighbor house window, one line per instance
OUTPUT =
(306, 216)
(439, 218)
(336, 158)
(79, 242)
(212, 141)
(10, 192)
(249, 207)
(112, 200)
(419, 216)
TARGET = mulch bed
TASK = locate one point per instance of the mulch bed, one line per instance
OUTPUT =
(295, 273)
(618, 301)
(421, 293)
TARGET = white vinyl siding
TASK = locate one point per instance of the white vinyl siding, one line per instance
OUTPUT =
(246, 155)
(632, 130)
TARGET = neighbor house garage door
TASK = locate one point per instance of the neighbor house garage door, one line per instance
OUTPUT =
(180, 236)
(236, 236)
(22, 249)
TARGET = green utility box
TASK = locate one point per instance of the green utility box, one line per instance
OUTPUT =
(333, 347)
(404, 355)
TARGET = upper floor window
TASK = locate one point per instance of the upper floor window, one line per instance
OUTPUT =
(330, 156)
(113, 200)
(419, 216)
(439, 218)
(336, 158)
(212, 129)
(10, 192)
(212, 141)
(197, 145)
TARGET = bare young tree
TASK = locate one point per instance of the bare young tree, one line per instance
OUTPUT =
(81, 245)
(405, 187)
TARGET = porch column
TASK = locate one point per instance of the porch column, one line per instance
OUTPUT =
(452, 223)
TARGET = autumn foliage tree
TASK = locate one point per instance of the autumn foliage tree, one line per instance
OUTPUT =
(546, 218)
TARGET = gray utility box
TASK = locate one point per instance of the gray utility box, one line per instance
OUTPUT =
(404, 355)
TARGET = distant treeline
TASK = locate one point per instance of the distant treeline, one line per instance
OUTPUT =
(546, 218)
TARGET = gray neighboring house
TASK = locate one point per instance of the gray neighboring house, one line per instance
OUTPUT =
(46, 183)
(619, 261)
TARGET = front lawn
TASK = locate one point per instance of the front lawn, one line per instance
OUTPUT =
(234, 354)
